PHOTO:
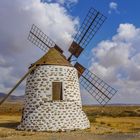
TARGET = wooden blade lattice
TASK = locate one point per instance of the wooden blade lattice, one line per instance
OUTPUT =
(89, 27)
(40, 39)
(100, 90)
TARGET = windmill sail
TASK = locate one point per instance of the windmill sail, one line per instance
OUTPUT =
(91, 24)
(89, 27)
(99, 89)
(40, 39)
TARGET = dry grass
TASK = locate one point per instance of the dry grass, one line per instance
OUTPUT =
(104, 120)
(113, 111)
(10, 108)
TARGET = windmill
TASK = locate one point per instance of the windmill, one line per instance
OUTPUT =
(60, 94)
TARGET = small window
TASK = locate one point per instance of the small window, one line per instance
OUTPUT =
(57, 91)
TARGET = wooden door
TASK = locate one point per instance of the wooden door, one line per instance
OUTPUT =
(57, 91)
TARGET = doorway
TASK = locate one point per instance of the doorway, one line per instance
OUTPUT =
(57, 91)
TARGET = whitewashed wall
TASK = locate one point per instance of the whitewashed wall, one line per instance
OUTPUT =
(41, 113)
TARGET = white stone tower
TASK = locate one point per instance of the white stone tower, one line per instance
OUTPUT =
(52, 98)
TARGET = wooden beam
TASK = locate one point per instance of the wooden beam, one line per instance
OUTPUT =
(18, 83)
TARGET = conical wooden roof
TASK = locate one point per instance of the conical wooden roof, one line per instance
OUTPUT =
(53, 57)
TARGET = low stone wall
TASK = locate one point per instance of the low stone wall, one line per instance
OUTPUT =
(54, 116)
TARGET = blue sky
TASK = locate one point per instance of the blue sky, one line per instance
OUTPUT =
(128, 12)
(125, 12)
(113, 54)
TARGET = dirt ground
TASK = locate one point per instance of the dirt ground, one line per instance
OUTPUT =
(110, 123)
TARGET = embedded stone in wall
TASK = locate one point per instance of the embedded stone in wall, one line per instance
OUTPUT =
(41, 113)
(54, 116)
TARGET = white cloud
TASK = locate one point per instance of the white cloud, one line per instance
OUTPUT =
(2, 61)
(117, 61)
(16, 18)
(113, 6)
(126, 32)
(67, 3)
(6, 75)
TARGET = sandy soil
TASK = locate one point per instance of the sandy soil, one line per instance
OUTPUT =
(110, 123)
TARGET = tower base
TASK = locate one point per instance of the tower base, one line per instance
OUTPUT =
(54, 116)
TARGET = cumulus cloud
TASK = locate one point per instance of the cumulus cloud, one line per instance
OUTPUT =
(67, 3)
(113, 6)
(117, 61)
(17, 17)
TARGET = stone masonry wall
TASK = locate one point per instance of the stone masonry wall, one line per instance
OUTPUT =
(40, 113)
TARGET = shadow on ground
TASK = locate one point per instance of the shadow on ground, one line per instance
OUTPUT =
(9, 125)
